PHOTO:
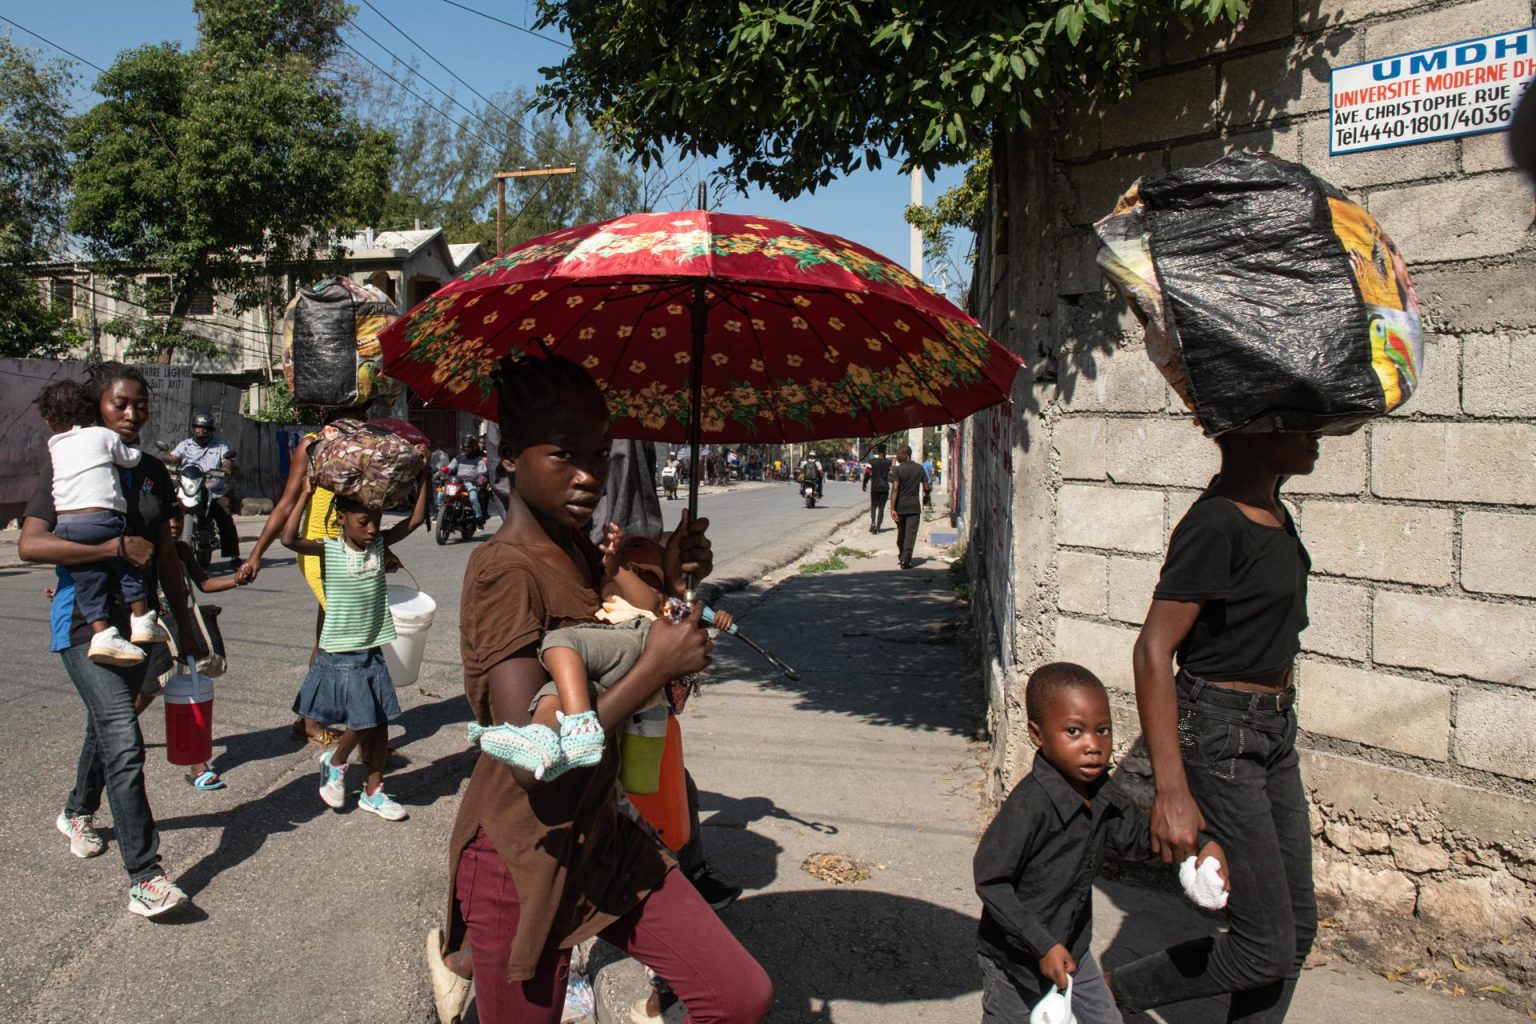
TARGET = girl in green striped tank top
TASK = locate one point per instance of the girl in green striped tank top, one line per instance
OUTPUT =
(348, 685)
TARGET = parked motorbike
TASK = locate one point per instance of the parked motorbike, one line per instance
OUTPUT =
(454, 509)
(192, 491)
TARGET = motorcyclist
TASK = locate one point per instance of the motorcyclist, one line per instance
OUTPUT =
(471, 467)
(812, 473)
(208, 452)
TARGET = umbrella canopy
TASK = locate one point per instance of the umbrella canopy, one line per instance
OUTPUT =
(777, 332)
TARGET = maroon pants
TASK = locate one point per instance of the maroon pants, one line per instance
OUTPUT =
(673, 932)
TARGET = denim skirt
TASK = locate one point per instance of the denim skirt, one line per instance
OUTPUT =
(348, 688)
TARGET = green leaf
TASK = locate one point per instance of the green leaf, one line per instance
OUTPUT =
(1016, 65)
(978, 93)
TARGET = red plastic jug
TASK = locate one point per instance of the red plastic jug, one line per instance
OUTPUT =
(189, 716)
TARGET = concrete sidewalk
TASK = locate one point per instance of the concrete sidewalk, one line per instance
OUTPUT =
(874, 756)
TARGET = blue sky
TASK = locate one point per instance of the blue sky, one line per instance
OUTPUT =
(865, 207)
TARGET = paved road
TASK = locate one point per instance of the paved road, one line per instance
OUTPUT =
(302, 913)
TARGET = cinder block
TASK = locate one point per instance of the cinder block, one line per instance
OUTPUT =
(1097, 185)
(1446, 25)
(1497, 731)
(1460, 300)
(1487, 152)
(1340, 468)
(1282, 140)
(1317, 14)
(1121, 380)
(1339, 618)
(1391, 712)
(1491, 463)
(1456, 637)
(1080, 582)
(1265, 22)
(1131, 582)
(1159, 450)
(1393, 543)
(1498, 553)
(1079, 442)
(1163, 107)
(1439, 390)
(1103, 650)
(1111, 518)
(1377, 166)
(1077, 267)
(1500, 378)
(1485, 215)
(1283, 82)
(1179, 504)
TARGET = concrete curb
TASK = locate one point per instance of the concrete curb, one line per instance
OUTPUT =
(750, 570)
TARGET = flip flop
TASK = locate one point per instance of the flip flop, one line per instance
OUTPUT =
(206, 781)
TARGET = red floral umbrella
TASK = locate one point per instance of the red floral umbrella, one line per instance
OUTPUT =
(773, 332)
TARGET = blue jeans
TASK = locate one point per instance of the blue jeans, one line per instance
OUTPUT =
(1239, 753)
(93, 582)
(112, 758)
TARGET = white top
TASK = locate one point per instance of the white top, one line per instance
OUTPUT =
(85, 462)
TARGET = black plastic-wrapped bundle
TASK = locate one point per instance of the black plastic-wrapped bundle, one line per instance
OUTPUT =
(1271, 301)
(333, 350)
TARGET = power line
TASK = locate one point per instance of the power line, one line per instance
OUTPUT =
(502, 21)
(483, 98)
(53, 44)
(428, 103)
(450, 96)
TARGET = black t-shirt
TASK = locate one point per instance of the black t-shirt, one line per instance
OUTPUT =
(909, 479)
(149, 493)
(880, 474)
(1251, 581)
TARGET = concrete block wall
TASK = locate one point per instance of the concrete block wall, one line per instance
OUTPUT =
(1420, 663)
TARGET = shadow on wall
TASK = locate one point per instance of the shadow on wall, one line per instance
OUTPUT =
(866, 645)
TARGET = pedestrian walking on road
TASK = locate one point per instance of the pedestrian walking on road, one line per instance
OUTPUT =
(538, 866)
(348, 683)
(909, 490)
(1221, 733)
(112, 755)
(877, 481)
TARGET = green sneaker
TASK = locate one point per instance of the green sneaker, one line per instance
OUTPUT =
(382, 804)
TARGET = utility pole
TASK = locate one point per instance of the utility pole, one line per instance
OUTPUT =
(500, 177)
(915, 434)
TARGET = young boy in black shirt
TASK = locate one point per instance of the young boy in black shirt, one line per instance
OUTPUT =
(1035, 866)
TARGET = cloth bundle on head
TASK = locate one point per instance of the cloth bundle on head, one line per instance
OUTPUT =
(331, 354)
(373, 463)
(1271, 302)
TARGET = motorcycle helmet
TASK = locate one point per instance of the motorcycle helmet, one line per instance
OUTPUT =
(470, 441)
(202, 419)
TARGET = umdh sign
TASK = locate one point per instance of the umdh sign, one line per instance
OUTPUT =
(1458, 89)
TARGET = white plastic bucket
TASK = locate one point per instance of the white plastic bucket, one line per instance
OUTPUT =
(412, 611)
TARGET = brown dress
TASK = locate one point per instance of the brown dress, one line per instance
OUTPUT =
(578, 864)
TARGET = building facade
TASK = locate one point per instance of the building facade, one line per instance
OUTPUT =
(1418, 675)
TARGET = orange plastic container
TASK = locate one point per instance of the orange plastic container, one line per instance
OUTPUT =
(666, 810)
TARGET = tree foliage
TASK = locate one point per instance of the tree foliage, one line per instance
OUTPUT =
(442, 172)
(796, 93)
(33, 179)
(227, 165)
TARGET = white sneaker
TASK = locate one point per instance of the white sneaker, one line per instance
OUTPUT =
(155, 896)
(147, 629)
(109, 648)
(333, 782)
(381, 803)
(83, 838)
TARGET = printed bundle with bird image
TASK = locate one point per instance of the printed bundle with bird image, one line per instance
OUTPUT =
(1270, 300)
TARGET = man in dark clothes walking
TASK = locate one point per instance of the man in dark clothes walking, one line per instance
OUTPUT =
(878, 483)
(909, 486)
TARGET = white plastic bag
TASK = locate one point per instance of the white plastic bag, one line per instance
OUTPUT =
(1055, 1008)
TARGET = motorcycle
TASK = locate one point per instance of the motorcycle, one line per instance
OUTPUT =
(808, 490)
(193, 485)
(454, 509)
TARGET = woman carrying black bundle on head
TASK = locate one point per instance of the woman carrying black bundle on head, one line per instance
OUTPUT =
(1221, 733)
(537, 867)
